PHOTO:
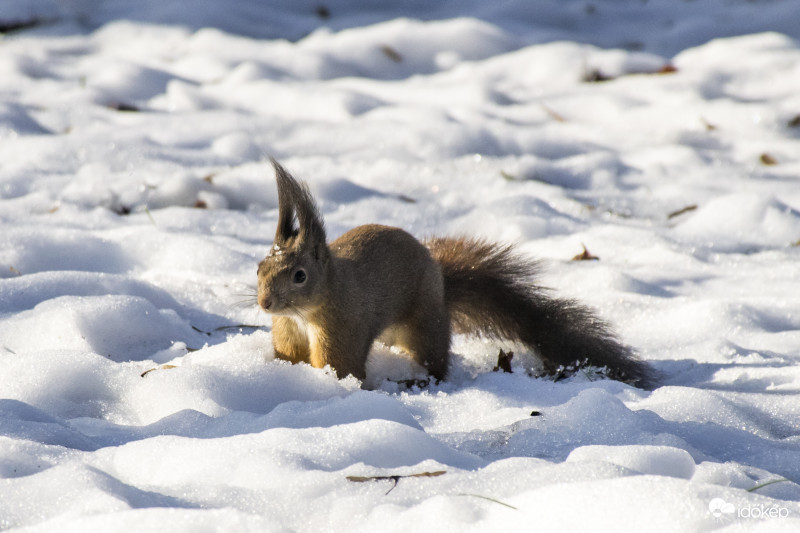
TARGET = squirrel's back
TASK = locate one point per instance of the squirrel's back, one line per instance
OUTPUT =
(384, 269)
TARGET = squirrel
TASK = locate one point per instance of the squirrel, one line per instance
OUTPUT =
(330, 301)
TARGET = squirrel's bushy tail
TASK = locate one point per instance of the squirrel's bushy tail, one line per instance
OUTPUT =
(491, 291)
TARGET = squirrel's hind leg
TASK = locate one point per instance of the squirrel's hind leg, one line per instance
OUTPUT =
(425, 335)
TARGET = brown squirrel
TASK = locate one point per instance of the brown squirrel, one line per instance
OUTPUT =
(329, 302)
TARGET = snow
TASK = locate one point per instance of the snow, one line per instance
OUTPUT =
(139, 391)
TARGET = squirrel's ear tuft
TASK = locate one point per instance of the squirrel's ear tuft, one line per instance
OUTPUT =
(286, 227)
(295, 201)
(286, 211)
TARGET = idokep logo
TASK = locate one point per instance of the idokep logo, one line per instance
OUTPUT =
(720, 508)
(724, 510)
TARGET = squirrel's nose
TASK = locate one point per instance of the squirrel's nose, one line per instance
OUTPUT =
(265, 302)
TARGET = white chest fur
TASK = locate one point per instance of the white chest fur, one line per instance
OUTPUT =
(306, 329)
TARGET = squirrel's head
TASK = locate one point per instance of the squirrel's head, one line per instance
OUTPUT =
(291, 277)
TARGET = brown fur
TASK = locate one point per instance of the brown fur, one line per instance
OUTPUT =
(380, 282)
(493, 291)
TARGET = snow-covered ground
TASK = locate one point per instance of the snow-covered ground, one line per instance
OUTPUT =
(136, 201)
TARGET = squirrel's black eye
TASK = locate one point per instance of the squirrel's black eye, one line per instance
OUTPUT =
(299, 277)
